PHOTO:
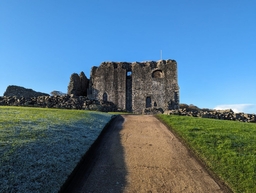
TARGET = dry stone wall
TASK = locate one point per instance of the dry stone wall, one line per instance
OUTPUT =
(83, 103)
(63, 102)
(228, 114)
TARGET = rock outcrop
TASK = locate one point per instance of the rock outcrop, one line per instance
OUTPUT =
(19, 91)
(78, 84)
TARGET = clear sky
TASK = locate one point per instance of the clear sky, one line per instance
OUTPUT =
(214, 43)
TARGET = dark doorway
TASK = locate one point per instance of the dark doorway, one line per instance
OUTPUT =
(105, 97)
(176, 97)
(148, 102)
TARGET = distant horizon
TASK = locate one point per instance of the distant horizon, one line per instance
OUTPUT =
(236, 108)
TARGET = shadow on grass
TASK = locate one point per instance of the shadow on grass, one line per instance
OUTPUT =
(103, 167)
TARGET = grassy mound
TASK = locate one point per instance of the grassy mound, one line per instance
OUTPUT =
(39, 148)
(227, 147)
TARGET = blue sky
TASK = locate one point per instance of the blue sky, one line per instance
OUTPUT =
(214, 43)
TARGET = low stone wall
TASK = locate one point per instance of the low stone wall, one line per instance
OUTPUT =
(214, 114)
(152, 111)
(83, 103)
(65, 102)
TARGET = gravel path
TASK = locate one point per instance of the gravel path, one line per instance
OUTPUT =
(139, 154)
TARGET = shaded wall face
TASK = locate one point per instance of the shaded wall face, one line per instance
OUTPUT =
(119, 84)
(109, 81)
(98, 83)
(172, 87)
(141, 87)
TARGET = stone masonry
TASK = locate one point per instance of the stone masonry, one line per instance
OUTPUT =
(138, 87)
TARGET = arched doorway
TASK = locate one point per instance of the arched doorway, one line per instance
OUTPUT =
(105, 97)
(148, 102)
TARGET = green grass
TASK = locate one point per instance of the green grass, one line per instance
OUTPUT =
(227, 147)
(39, 147)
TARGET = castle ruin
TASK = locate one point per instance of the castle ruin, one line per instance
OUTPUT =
(136, 87)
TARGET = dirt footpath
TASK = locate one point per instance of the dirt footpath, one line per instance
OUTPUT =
(139, 154)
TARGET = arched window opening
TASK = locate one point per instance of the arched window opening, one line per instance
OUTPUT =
(105, 97)
(148, 102)
(176, 97)
(129, 73)
(157, 74)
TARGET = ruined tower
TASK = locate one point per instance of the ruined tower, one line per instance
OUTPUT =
(137, 86)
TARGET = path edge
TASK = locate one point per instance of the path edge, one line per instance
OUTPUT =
(85, 162)
(193, 153)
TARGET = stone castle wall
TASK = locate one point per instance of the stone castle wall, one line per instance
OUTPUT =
(136, 87)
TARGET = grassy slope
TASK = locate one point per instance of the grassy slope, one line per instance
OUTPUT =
(227, 147)
(39, 148)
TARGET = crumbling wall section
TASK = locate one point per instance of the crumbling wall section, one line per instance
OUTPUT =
(78, 84)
